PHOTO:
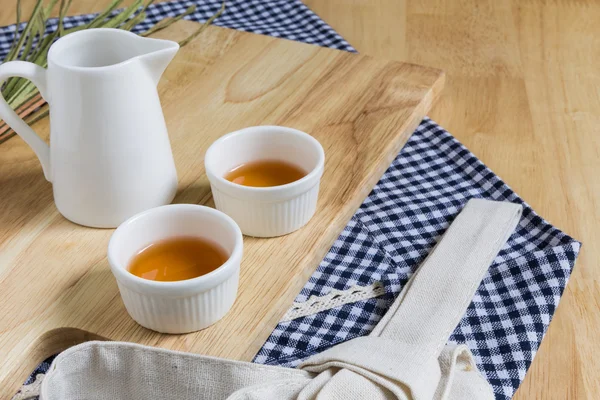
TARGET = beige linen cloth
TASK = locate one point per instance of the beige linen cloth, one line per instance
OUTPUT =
(405, 357)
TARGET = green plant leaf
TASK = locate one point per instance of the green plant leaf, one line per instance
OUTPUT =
(32, 44)
(204, 26)
(15, 51)
(123, 16)
(159, 26)
(100, 18)
(17, 26)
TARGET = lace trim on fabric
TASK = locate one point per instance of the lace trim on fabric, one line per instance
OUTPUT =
(335, 298)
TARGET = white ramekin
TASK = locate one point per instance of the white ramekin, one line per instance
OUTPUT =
(266, 211)
(179, 306)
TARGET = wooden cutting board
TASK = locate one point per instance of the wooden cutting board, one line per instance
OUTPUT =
(56, 289)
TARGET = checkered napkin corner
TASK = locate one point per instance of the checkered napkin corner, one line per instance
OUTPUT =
(393, 231)
(288, 19)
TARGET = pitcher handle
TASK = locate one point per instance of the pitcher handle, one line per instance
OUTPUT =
(37, 75)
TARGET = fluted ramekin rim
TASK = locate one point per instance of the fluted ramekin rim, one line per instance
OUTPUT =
(183, 287)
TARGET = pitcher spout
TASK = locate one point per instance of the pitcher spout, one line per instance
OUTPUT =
(156, 55)
(101, 48)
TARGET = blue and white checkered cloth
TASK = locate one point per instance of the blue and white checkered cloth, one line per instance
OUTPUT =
(398, 224)
(400, 221)
(288, 19)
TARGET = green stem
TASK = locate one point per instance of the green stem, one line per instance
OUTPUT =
(37, 30)
(28, 45)
(148, 4)
(12, 84)
(15, 40)
(136, 19)
(204, 25)
(30, 96)
(42, 46)
(159, 26)
(97, 22)
(15, 98)
(48, 9)
(19, 91)
(32, 119)
(64, 7)
(123, 15)
(133, 21)
(15, 51)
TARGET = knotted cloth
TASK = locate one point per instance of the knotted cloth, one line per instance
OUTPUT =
(405, 357)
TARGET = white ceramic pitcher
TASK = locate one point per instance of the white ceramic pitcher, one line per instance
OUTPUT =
(109, 155)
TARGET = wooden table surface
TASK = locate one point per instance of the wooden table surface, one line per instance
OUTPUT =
(522, 93)
(55, 280)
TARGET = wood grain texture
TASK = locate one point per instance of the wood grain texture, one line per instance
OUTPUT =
(522, 93)
(56, 285)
